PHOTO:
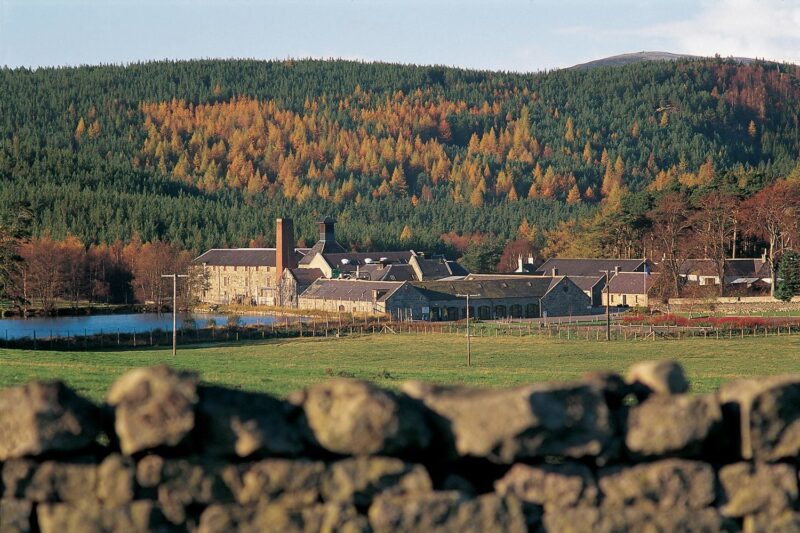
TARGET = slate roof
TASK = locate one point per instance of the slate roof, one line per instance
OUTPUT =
(305, 276)
(530, 287)
(587, 283)
(631, 283)
(588, 267)
(747, 267)
(359, 259)
(350, 290)
(242, 256)
(390, 272)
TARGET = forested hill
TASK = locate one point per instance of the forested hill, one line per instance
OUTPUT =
(209, 153)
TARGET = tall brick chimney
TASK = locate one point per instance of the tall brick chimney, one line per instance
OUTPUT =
(284, 247)
(326, 230)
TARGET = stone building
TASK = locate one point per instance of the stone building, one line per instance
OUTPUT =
(592, 286)
(523, 297)
(629, 289)
(249, 276)
(359, 296)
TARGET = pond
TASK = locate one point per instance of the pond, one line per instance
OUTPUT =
(64, 326)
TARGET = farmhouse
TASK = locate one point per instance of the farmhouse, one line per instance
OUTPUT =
(746, 275)
(629, 289)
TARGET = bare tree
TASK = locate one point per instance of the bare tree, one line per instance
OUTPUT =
(672, 224)
(771, 215)
(714, 225)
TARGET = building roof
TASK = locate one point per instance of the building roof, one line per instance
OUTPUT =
(748, 267)
(351, 290)
(631, 283)
(354, 259)
(386, 272)
(588, 267)
(242, 256)
(433, 268)
(528, 287)
(587, 283)
(305, 276)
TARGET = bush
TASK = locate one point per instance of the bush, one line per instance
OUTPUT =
(234, 321)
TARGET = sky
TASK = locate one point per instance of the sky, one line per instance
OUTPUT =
(516, 35)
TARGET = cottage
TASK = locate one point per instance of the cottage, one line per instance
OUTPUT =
(741, 274)
(629, 289)
(592, 286)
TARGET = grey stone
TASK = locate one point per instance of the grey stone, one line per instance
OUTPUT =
(566, 420)
(611, 384)
(640, 518)
(90, 516)
(291, 482)
(43, 417)
(768, 489)
(678, 425)
(116, 477)
(657, 377)
(446, 511)
(767, 413)
(354, 417)
(153, 407)
(277, 518)
(236, 423)
(360, 479)
(669, 484)
(15, 516)
(50, 481)
(551, 486)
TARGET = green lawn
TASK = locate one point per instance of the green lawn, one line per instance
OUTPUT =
(281, 366)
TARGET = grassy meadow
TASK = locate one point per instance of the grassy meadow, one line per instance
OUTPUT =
(280, 366)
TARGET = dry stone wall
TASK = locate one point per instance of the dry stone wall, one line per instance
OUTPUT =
(167, 452)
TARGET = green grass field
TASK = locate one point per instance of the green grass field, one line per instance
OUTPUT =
(281, 366)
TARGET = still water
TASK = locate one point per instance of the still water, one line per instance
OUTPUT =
(63, 326)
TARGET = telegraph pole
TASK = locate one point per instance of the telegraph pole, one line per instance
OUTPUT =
(608, 308)
(174, 308)
(469, 344)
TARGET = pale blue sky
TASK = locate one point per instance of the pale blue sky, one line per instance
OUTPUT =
(521, 35)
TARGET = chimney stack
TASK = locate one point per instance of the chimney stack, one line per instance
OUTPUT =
(326, 233)
(555, 272)
(284, 247)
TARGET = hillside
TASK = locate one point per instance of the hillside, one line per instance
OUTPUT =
(638, 57)
(208, 153)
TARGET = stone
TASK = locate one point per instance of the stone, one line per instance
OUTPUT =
(15, 516)
(153, 407)
(276, 518)
(353, 417)
(657, 377)
(767, 489)
(149, 471)
(669, 484)
(292, 482)
(243, 424)
(767, 415)
(116, 477)
(681, 425)
(785, 522)
(45, 417)
(552, 486)
(446, 511)
(181, 483)
(636, 518)
(360, 479)
(611, 384)
(88, 515)
(506, 426)
(50, 481)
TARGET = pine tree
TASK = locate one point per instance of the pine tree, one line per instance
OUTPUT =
(788, 276)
